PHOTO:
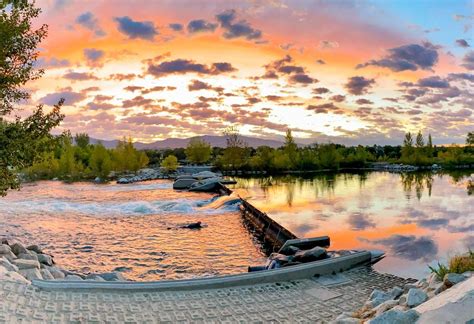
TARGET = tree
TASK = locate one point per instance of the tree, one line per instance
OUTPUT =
(429, 147)
(82, 140)
(291, 149)
(407, 149)
(235, 154)
(21, 140)
(470, 138)
(18, 52)
(127, 158)
(420, 142)
(170, 163)
(198, 151)
(100, 162)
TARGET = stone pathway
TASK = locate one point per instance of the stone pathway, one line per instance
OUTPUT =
(304, 301)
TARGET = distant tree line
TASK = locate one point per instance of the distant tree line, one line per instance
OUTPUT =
(291, 157)
(76, 159)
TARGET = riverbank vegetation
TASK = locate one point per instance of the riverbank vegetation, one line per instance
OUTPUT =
(459, 263)
(75, 159)
(291, 157)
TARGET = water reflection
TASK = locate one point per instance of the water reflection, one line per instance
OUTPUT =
(416, 218)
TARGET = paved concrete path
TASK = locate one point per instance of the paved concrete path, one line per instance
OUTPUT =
(303, 301)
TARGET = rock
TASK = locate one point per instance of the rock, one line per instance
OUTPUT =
(97, 180)
(111, 276)
(72, 278)
(378, 297)
(396, 292)
(450, 279)
(35, 248)
(440, 288)
(385, 306)
(408, 287)
(314, 254)
(5, 241)
(6, 275)
(468, 274)
(433, 280)
(454, 305)
(45, 259)
(56, 273)
(345, 319)
(4, 249)
(396, 316)
(415, 297)
(18, 248)
(196, 225)
(46, 274)
(94, 277)
(423, 283)
(123, 181)
(4, 262)
(403, 300)
(31, 273)
(26, 264)
(28, 256)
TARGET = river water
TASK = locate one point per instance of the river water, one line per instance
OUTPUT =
(133, 228)
(416, 218)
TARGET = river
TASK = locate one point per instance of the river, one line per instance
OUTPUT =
(416, 218)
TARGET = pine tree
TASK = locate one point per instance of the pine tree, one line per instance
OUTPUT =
(420, 142)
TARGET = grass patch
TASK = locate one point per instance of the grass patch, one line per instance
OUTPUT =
(457, 264)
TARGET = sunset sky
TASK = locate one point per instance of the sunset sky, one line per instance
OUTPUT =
(341, 71)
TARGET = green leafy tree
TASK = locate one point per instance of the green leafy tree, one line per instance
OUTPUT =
(236, 153)
(170, 163)
(100, 162)
(198, 151)
(22, 140)
(407, 149)
(127, 158)
(291, 150)
(329, 157)
(470, 138)
(420, 142)
(82, 140)
(429, 147)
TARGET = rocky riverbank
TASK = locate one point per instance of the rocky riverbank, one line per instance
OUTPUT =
(416, 302)
(23, 264)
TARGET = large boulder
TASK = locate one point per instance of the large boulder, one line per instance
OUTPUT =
(35, 248)
(56, 273)
(396, 292)
(111, 276)
(28, 256)
(450, 279)
(46, 274)
(5, 251)
(454, 305)
(73, 278)
(31, 273)
(4, 262)
(6, 275)
(314, 254)
(378, 297)
(415, 297)
(396, 316)
(26, 264)
(18, 248)
(45, 259)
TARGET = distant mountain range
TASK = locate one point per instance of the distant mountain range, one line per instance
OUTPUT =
(214, 141)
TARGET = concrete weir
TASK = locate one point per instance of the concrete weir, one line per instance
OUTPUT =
(271, 233)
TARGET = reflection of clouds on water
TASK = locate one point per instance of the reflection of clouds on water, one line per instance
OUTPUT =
(305, 228)
(359, 221)
(435, 217)
(409, 246)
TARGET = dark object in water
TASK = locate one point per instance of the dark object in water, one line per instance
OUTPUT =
(314, 254)
(291, 246)
(196, 225)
